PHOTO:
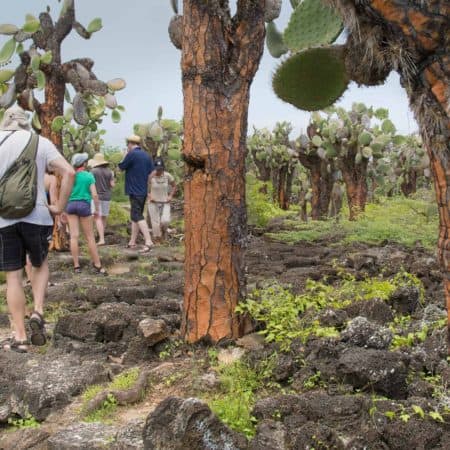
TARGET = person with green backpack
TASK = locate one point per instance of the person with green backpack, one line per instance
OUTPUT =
(26, 219)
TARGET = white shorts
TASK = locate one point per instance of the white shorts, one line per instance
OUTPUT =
(103, 207)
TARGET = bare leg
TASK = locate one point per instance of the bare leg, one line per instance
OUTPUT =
(101, 229)
(134, 234)
(15, 297)
(87, 225)
(28, 269)
(74, 229)
(39, 286)
(144, 230)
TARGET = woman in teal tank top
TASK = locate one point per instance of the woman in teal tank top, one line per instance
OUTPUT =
(79, 213)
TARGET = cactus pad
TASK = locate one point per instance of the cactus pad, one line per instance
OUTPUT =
(274, 41)
(176, 31)
(79, 110)
(272, 10)
(312, 24)
(313, 79)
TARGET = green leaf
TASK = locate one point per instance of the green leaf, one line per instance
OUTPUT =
(31, 26)
(436, 416)
(366, 152)
(40, 78)
(419, 411)
(57, 124)
(7, 51)
(95, 25)
(6, 75)
(36, 122)
(47, 57)
(20, 48)
(115, 116)
(120, 108)
(35, 63)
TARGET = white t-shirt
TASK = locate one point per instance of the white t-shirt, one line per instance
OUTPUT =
(10, 150)
(159, 186)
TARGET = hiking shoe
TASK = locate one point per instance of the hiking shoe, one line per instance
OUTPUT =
(37, 326)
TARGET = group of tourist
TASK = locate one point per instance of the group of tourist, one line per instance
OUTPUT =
(83, 198)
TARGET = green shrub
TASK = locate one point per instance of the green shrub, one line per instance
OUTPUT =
(117, 214)
(240, 384)
(282, 313)
(260, 208)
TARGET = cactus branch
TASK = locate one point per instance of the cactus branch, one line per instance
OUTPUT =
(81, 30)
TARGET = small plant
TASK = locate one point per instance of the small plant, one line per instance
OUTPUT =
(169, 349)
(105, 412)
(213, 355)
(24, 422)
(314, 381)
(121, 382)
(239, 386)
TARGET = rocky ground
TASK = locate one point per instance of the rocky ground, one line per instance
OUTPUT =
(367, 396)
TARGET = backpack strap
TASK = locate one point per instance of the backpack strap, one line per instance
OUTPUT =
(6, 137)
(30, 150)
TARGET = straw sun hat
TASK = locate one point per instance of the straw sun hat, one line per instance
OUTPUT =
(134, 138)
(97, 160)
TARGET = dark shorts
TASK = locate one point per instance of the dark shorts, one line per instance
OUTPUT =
(137, 208)
(80, 208)
(20, 239)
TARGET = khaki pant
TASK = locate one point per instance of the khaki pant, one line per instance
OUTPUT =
(160, 217)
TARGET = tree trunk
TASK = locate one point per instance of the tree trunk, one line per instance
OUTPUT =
(409, 187)
(321, 185)
(53, 107)
(263, 171)
(284, 187)
(355, 179)
(220, 57)
(423, 30)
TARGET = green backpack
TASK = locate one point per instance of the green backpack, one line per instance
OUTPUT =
(18, 186)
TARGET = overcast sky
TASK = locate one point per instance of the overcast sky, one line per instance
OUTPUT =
(134, 45)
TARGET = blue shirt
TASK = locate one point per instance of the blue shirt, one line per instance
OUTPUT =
(137, 165)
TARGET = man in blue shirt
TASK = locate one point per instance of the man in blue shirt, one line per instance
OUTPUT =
(137, 165)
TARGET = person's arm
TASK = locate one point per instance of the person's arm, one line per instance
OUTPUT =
(125, 163)
(94, 194)
(173, 191)
(174, 187)
(149, 188)
(63, 169)
(53, 189)
(112, 182)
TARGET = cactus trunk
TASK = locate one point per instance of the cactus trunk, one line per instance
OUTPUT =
(216, 97)
(355, 179)
(321, 185)
(410, 187)
(53, 107)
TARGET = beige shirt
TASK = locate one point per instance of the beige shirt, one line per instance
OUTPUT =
(159, 187)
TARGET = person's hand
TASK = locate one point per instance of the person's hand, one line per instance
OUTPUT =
(169, 198)
(54, 210)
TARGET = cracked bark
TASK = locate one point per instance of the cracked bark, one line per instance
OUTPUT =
(422, 29)
(220, 56)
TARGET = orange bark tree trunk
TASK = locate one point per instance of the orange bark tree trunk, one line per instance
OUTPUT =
(422, 31)
(53, 107)
(220, 56)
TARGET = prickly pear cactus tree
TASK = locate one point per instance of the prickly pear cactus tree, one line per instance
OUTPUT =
(163, 137)
(274, 160)
(220, 54)
(320, 165)
(413, 39)
(41, 68)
